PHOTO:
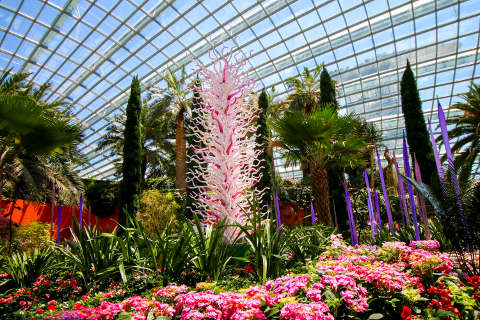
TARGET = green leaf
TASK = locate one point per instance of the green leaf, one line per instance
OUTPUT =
(124, 316)
(121, 267)
(376, 316)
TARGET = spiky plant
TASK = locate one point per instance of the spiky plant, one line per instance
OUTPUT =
(461, 226)
(466, 133)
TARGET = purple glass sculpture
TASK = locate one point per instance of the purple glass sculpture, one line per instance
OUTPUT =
(406, 166)
(351, 220)
(385, 194)
(403, 202)
(370, 205)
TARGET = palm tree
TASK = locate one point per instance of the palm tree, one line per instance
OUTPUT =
(157, 125)
(306, 96)
(466, 133)
(321, 139)
(177, 92)
(27, 165)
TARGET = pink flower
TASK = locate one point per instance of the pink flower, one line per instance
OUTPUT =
(301, 311)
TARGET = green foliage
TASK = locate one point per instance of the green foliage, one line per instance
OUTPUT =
(170, 253)
(307, 90)
(165, 254)
(465, 133)
(327, 89)
(308, 242)
(29, 165)
(132, 157)
(25, 267)
(266, 244)
(416, 129)
(157, 210)
(157, 131)
(94, 256)
(461, 225)
(32, 236)
(262, 139)
(294, 192)
(102, 196)
(321, 138)
(210, 254)
(335, 175)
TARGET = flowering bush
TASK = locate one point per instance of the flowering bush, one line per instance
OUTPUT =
(393, 281)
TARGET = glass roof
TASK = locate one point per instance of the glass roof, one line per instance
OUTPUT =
(89, 50)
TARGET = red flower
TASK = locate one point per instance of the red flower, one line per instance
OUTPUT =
(22, 303)
(39, 311)
(79, 306)
(51, 302)
(406, 313)
(51, 307)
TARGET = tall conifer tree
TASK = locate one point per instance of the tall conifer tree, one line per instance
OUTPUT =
(416, 129)
(262, 140)
(132, 157)
(335, 175)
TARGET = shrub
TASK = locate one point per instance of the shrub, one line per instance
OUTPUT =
(102, 196)
(157, 209)
(32, 236)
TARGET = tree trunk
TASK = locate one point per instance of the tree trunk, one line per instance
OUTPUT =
(320, 191)
(180, 153)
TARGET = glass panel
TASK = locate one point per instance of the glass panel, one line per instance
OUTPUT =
(296, 42)
(469, 25)
(383, 37)
(20, 25)
(364, 44)
(48, 14)
(425, 22)
(308, 20)
(334, 25)
(31, 8)
(329, 10)
(375, 7)
(288, 30)
(11, 43)
(314, 34)
(354, 16)
(447, 32)
(123, 10)
(270, 39)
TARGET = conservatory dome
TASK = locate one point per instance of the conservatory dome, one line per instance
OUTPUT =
(90, 50)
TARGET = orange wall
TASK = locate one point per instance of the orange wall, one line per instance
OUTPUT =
(29, 212)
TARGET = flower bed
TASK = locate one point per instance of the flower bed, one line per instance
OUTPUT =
(392, 281)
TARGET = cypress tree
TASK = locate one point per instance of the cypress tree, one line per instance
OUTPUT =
(416, 129)
(335, 175)
(263, 139)
(192, 140)
(132, 157)
(327, 89)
